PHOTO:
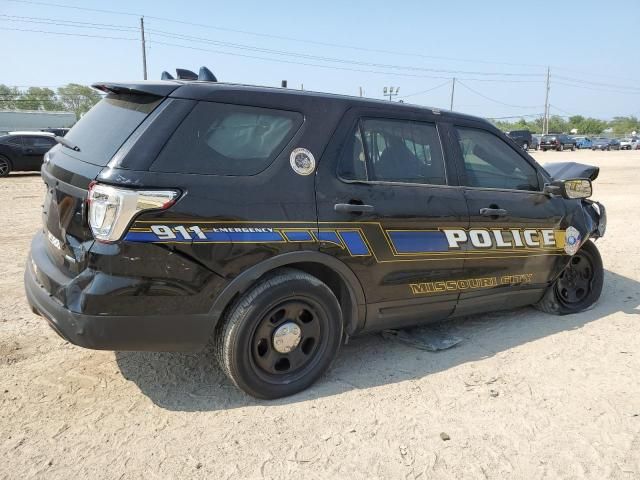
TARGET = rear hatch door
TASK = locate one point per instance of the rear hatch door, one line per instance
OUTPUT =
(68, 173)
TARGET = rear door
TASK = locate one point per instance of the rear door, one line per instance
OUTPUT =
(383, 199)
(516, 232)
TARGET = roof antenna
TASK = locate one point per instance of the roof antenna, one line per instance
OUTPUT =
(166, 76)
(206, 75)
(184, 74)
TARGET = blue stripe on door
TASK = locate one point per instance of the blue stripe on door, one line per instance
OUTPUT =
(418, 242)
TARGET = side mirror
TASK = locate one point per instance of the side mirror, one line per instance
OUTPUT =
(570, 189)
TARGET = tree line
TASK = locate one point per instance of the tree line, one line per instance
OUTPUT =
(583, 125)
(69, 98)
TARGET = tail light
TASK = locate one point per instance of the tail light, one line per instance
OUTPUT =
(111, 209)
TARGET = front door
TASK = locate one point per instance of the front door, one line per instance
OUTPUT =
(516, 233)
(383, 202)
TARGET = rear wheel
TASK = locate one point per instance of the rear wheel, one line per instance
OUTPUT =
(573, 148)
(5, 166)
(578, 286)
(281, 335)
(525, 146)
(561, 147)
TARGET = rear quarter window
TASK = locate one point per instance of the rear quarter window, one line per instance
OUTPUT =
(225, 139)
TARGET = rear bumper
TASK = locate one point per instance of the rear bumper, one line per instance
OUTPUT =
(109, 332)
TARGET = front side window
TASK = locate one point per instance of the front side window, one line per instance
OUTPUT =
(224, 139)
(396, 151)
(491, 163)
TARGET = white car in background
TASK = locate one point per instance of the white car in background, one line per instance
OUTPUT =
(627, 144)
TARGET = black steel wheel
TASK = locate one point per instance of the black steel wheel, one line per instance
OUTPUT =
(578, 286)
(5, 166)
(281, 335)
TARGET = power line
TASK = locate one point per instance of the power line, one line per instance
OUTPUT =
(70, 34)
(601, 84)
(190, 38)
(595, 89)
(425, 91)
(494, 100)
(278, 37)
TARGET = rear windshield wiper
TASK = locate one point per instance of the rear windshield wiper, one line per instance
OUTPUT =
(67, 143)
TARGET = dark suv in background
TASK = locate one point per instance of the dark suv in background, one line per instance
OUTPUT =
(522, 137)
(557, 141)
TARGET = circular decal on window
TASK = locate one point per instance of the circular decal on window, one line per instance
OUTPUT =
(571, 240)
(302, 161)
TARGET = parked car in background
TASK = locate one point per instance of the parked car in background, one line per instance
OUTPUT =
(522, 137)
(605, 144)
(557, 141)
(24, 151)
(58, 132)
(628, 144)
(583, 142)
(535, 142)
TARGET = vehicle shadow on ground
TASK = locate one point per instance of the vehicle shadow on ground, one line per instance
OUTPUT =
(24, 174)
(193, 382)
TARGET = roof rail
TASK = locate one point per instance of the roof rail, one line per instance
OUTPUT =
(204, 75)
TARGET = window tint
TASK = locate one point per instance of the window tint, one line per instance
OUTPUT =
(491, 163)
(14, 140)
(103, 129)
(221, 139)
(39, 142)
(398, 151)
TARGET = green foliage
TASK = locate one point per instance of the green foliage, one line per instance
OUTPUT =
(625, 125)
(78, 98)
(72, 97)
(557, 124)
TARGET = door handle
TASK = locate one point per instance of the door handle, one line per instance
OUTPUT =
(493, 212)
(352, 208)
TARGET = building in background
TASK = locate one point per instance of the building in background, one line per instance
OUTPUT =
(12, 120)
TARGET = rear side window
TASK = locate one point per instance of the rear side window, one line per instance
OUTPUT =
(103, 129)
(396, 151)
(39, 142)
(224, 139)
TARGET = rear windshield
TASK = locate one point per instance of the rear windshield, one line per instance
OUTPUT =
(103, 129)
(222, 139)
(549, 137)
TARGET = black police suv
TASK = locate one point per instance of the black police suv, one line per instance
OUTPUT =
(280, 222)
(23, 151)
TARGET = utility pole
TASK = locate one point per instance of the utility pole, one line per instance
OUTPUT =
(360, 90)
(144, 49)
(453, 91)
(545, 120)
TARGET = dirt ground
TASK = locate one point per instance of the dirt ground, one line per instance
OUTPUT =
(526, 395)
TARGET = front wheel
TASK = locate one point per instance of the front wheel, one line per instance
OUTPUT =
(561, 147)
(281, 335)
(573, 148)
(578, 286)
(5, 166)
(525, 146)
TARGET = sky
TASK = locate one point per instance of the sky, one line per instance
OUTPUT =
(498, 51)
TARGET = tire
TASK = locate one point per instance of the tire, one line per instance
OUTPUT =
(573, 148)
(525, 146)
(561, 147)
(5, 166)
(245, 343)
(586, 273)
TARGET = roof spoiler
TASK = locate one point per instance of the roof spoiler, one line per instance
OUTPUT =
(204, 75)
